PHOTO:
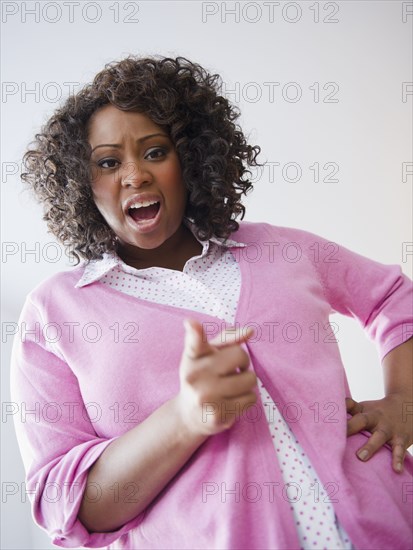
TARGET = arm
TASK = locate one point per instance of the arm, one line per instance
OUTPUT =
(139, 464)
(61, 450)
(388, 419)
(147, 457)
(379, 296)
(57, 441)
(398, 370)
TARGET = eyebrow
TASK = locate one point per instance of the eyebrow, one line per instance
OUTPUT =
(140, 140)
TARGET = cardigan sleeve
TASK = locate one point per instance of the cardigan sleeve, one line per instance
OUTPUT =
(378, 295)
(56, 437)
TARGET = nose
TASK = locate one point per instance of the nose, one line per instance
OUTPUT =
(133, 174)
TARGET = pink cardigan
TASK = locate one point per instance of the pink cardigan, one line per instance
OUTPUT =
(92, 362)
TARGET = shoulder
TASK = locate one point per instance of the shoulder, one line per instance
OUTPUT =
(261, 231)
(55, 288)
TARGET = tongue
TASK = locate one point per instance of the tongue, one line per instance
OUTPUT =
(145, 212)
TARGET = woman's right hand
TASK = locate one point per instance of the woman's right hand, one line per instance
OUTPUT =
(216, 385)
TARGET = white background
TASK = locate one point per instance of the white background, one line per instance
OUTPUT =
(366, 132)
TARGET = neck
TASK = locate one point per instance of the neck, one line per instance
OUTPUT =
(172, 254)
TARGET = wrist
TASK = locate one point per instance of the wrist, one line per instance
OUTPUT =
(400, 395)
(188, 426)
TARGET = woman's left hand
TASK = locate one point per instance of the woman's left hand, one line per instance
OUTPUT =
(389, 420)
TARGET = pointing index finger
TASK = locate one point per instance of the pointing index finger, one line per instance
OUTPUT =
(195, 343)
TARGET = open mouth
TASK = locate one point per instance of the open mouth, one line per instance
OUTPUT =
(141, 213)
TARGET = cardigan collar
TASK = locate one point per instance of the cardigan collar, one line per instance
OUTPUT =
(96, 269)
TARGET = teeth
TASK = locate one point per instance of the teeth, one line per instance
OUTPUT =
(142, 204)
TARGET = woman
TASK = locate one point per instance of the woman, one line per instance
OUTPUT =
(192, 393)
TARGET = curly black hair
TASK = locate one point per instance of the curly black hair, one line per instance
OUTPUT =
(182, 98)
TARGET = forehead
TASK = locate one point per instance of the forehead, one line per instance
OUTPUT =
(110, 124)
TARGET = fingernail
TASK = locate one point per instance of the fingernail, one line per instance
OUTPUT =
(187, 324)
(399, 467)
(363, 454)
(250, 332)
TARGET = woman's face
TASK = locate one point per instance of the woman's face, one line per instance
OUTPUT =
(136, 177)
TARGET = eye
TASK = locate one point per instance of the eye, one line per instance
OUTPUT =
(108, 163)
(155, 153)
